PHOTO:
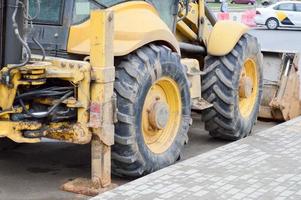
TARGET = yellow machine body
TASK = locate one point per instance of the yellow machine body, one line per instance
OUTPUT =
(109, 33)
(76, 72)
(219, 39)
(92, 82)
(135, 23)
(92, 99)
(224, 36)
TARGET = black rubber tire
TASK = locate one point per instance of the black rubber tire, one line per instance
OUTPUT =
(272, 19)
(135, 74)
(7, 144)
(220, 87)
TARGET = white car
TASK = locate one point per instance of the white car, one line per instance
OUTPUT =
(281, 14)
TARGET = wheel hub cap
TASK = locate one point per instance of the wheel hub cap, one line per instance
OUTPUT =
(272, 24)
(159, 115)
(248, 87)
(245, 87)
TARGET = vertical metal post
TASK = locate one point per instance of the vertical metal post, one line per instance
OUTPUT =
(12, 46)
(102, 89)
(102, 106)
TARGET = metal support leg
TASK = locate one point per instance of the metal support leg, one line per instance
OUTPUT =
(102, 108)
(101, 163)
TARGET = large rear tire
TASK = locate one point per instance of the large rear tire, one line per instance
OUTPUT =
(154, 105)
(233, 84)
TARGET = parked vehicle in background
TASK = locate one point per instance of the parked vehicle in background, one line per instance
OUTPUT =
(268, 2)
(212, 1)
(244, 1)
(281, 14)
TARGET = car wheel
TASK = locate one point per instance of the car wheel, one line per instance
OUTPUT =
(272, 23)
(265, 3)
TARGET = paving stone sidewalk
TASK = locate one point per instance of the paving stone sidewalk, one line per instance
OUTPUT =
(264, 166)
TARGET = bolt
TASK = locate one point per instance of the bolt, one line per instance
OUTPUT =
(110, 17)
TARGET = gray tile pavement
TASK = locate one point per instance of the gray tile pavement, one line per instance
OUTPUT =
(263, 166)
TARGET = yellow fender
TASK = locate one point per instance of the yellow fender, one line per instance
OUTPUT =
(224, 36)
(135, 23)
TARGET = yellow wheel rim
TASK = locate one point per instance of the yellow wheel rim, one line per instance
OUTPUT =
(161, 115)
(248, 87)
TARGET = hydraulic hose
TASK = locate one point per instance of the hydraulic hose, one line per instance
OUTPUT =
(21, 40)
(186, 2)
(210, 15)
(191, 48)
(40, 115)
(40, 46)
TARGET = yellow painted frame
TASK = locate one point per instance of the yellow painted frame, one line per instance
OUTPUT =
(135, 24)
(93, 83)
(224, 36)
(77, 72)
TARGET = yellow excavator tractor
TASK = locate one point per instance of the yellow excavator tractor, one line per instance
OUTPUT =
(170, 57)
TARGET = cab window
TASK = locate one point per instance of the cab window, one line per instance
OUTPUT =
(109, 3)
(50, 11)
(166, 9)
(285, 7)
(82, 9)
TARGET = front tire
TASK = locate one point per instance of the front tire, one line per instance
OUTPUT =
(233, 84)
(154, 105)
(272, 23)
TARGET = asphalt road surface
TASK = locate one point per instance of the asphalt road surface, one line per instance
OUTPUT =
(283, 39)
(36, 171)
